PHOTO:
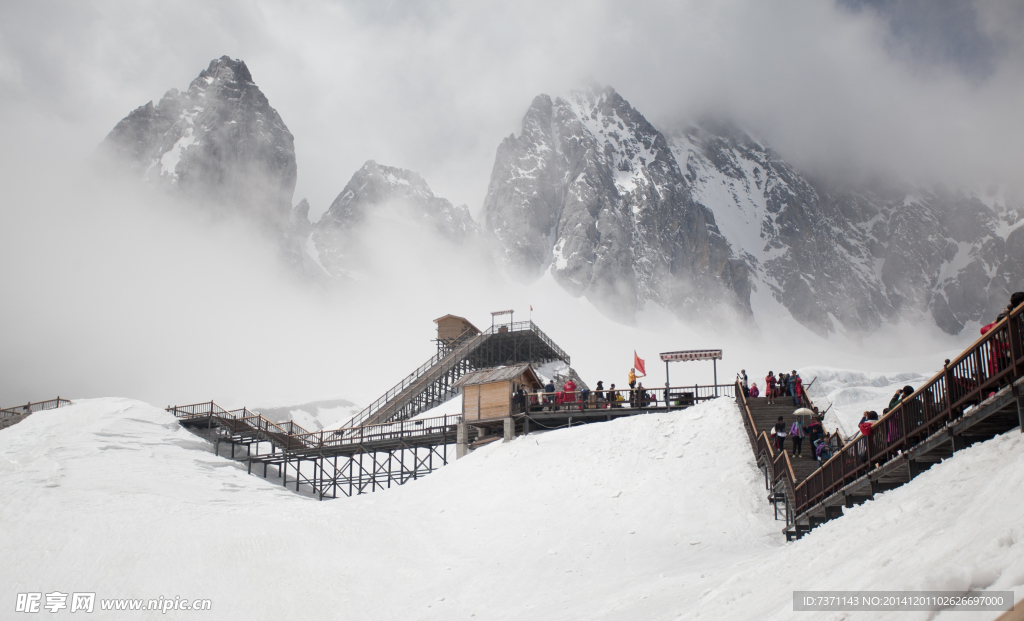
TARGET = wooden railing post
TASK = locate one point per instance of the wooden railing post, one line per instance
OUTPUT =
(949, 392)
(1015, 347)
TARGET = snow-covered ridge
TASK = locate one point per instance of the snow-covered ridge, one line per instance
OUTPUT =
(654, 516)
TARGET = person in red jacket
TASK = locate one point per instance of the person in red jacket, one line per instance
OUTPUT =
(769, 387)
(569, 392)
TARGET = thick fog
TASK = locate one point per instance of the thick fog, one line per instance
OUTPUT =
(111, 289)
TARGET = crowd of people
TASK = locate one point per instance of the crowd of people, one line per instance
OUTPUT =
(808, 424)
(805, 427)
(998, 360)
(781, 385)
(571, 396)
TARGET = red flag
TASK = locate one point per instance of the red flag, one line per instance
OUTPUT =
(638, 364)
(531, 308)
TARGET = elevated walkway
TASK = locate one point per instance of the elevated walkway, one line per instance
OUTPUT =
(765, 416)
(13, 415)
(433, 383)
(327, 462)
(975, 397)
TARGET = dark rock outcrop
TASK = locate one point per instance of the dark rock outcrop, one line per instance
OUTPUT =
(219, 143)
(591, 191)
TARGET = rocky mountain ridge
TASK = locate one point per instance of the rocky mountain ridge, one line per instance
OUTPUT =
(704, 220)
(852, 258)
(591, 191)
(707, 217)
(219, 143)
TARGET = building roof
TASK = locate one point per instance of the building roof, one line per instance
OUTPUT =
(463, 319)
(496, 374)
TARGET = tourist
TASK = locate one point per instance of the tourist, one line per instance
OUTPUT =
(769, 387)
(549, 394)
(797, 389)
(823, 451)
(632, 378)
(797, 431)
(741, 377)
(900, 396)
(599, 394)
(519, 400)
(780, 435)
(755, 392)
(814, 430)
(613, 397)
(569, 391)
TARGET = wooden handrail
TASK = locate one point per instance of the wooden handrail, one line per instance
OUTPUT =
(36, 406)
(991, 362)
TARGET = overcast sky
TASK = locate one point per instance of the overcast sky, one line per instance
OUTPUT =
(923, 88)
(111, 290)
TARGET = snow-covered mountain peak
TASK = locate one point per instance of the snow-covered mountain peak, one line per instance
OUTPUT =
(220, 142)
(591, 191)
(397, 195)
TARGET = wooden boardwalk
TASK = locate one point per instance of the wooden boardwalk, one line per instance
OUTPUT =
(765, 417)
(975, 396)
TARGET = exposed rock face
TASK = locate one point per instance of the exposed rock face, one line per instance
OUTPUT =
(220, 142)
(386, 194)
(624, 214)
(591, 191)
(853, 258)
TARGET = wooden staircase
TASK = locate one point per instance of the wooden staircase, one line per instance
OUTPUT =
(765, 416)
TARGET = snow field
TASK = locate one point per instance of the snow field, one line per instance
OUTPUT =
(660, 516)
(110, 495)
(957, 526)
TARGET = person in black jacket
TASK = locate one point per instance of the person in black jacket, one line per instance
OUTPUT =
(549, 394)
(779, 431)
(814, 432)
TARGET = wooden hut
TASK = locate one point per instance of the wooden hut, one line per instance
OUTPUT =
(487, 394)
(451, 327)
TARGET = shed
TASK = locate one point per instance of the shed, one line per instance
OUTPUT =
(451, 327)
(487, 393)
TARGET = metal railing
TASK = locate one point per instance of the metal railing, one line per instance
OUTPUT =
(462, 345)
(30, 407)
(292, 437)
(994, 361)
(653, 398)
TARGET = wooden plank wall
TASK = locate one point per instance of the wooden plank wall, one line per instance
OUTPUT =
(451, 328)
(495, 400)
(471, 403)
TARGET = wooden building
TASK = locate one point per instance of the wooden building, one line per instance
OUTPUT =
(451, 327)
(487, 394)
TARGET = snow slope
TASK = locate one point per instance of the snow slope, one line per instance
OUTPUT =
(654, 517)
(847, 394)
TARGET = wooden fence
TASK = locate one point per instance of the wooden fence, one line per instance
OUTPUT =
(30, 407)
(994, 361)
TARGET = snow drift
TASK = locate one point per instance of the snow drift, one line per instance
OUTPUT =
(657, 516)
